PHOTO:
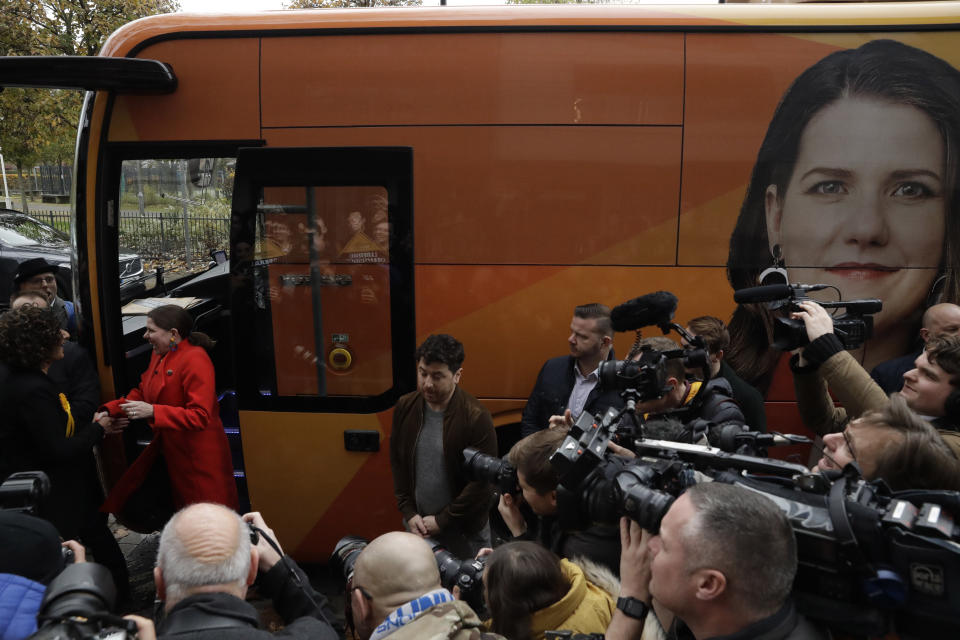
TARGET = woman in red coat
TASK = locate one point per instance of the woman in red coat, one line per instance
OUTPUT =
(177, 398)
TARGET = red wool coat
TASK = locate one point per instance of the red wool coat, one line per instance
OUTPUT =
(186, 428)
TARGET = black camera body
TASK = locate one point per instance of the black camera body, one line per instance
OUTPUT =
(25, 492)
(77, 604)
(466, 574)
(598, 487)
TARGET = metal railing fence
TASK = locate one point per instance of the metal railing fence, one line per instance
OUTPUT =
(158, 236)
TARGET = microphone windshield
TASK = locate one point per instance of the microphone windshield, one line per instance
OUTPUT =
(655, 308)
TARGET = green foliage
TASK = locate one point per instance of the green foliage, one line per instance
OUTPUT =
(347, 4)
(39, 125)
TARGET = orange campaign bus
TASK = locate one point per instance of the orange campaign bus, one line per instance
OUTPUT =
(396, 173)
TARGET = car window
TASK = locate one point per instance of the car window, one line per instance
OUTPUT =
(21, 231)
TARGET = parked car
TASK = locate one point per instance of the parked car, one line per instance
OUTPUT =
(23, 238)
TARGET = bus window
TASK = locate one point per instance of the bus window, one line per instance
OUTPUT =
(318, 266)
(175, 215)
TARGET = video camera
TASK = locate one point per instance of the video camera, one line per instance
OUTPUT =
(454, 572)
(867, 558)
(644, 377)
(24, 492)
(853, 328)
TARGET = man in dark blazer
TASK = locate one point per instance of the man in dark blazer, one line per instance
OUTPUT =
(570, 382)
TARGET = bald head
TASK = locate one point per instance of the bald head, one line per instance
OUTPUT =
(941, 320)
(204, 548)
(396, 568)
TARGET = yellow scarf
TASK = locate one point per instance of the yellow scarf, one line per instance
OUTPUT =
(71, 425)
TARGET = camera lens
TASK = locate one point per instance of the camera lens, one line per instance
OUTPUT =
(345, 554)
(638, 501)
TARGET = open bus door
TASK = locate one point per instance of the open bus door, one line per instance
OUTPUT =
(322, 308)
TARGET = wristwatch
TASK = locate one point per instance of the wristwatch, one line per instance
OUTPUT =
(633, 608)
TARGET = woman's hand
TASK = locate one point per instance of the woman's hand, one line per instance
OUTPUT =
(110, 425)
(137, 410)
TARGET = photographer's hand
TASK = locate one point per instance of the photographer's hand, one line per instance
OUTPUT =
(509, 509)
(268, 555)
(815, 318)
(623, 452)
(634, 580)
(145, 628)
(635, 560)
(561, 422)
(79, 551)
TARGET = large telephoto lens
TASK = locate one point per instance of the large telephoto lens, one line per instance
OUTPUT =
(638, 501)
(345, 554)
(486, 468)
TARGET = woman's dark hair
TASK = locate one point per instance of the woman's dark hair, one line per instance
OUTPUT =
(883, 69)
(29, 336)
(521, 578)
(170, 316)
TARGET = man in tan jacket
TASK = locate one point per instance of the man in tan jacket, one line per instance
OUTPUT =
(930, 389)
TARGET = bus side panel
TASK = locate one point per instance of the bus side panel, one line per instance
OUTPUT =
(298, 470)
(518, 78)
(532, 195)
(217, 94)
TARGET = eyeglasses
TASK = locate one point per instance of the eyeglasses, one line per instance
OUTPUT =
(849, 441)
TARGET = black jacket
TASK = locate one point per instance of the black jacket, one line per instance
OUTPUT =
(710, 408)
(889, 374)
(75, 376)
(785, 624)
(221, 616)
(747, 396)
(33, 438)
(599, 543)
(552, 392)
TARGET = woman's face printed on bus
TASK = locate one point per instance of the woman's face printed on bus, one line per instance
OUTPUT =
(865, 209)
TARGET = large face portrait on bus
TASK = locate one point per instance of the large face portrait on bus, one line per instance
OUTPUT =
(853, 186)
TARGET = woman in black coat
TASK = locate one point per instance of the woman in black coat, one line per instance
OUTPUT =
(39, 433)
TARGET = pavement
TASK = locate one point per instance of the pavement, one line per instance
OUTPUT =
(140, 550)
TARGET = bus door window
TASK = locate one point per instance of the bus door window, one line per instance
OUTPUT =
(325, 239)
(326, 281)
